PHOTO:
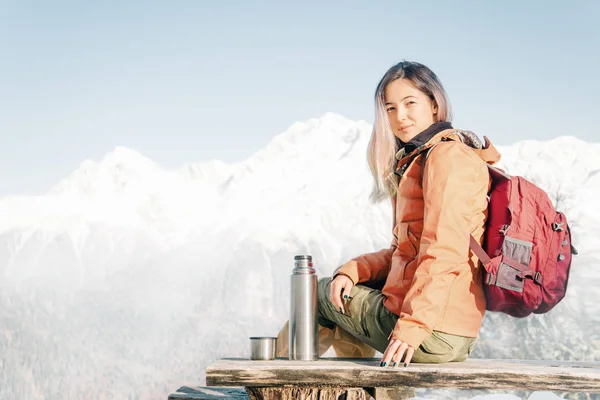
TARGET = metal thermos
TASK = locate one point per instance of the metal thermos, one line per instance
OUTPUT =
(304, 340)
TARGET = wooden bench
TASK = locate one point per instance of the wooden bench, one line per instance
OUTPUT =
(334, 378)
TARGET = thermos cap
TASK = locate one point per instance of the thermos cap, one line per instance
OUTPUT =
(303, 265)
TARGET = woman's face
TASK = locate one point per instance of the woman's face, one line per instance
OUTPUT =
(409, 110)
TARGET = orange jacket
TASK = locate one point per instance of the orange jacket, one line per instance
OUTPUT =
(432, 280)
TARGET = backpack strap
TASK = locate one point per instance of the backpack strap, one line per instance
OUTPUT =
(479, 251)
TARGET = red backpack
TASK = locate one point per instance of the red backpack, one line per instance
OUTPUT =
(526, 250)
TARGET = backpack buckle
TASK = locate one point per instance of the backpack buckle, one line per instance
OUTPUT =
(490, 279)
(557, 227)
(538, 278)
(504, 229)
(574, 250)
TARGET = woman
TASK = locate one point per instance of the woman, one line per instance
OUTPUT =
(422, 298)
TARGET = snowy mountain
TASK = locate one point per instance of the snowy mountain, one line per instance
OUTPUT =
(127, 279)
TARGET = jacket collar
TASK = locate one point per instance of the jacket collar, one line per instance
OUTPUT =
(423, 137)
(433, 135)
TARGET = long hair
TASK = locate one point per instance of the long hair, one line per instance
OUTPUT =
(381, 152)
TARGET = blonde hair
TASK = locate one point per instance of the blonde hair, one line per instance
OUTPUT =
(381, 152)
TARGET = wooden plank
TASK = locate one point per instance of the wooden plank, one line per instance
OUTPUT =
(300, 393)
(209, 393)
(472, 374)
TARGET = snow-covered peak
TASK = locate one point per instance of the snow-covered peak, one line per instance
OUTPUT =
(308, 167)
(314, 138)
(119, 170)
(563, 150)
(306, 148)
(124, 156)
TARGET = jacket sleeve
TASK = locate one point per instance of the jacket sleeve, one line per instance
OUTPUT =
(371, 267)
(453, 178)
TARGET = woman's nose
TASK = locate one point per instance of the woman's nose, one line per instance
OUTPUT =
(401, 115)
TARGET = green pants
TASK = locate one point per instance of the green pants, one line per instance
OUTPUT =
(368, 320)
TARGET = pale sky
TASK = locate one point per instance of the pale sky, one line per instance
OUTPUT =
(191, 81)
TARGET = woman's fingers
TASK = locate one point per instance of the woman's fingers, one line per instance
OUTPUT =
(347, 289)
(339, 291)
(409, 355)
(399, 353)
(395, 352)
(335, 294)
(389, 352)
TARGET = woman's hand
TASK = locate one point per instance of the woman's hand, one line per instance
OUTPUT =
(339, 291)
(394, 352)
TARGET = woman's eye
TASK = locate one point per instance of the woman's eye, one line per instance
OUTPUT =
(390, 109)
(411, 103)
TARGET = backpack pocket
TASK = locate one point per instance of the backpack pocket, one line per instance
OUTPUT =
(506, 277)
(519, 251)
(507, 289)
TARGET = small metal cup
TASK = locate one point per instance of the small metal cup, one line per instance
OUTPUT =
(263, 348)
